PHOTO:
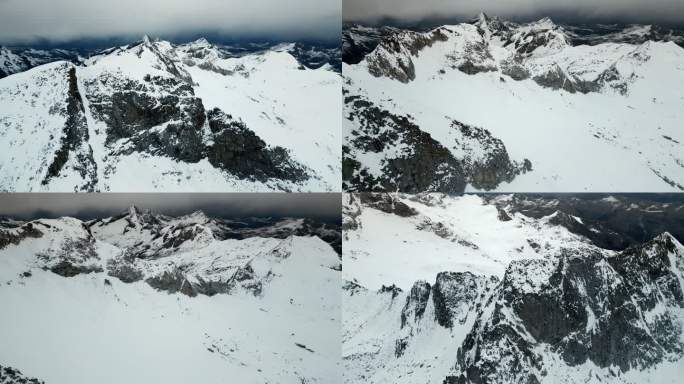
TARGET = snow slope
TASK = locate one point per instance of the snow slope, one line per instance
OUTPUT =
(467, 289)
(150, 122)
(80, 324)
(601, 117)
(455, 234)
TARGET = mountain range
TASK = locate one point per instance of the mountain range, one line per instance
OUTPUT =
(504, 106)
(153, 115)
(512, 289)
(148, 297)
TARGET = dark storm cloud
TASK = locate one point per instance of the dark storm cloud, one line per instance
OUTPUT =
(326, 206)
(26, 21)
(663, 11)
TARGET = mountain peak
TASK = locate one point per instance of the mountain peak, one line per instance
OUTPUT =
(481, 20)
(667, 239)
(197, 216)
(201, 42)
(545, 23)
(133, 211)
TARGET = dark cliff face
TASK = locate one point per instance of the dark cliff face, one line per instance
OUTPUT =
(429, 166)
(423, 164)
(240, 151)
(358, 41)
(134, 112)
(74, 142)
(496, 166)
(614, 311)
(456, 295)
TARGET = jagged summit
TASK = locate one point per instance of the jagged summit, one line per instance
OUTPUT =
(566, 308)
(482, 19)
(201, 42)
(167, 117)
(133, 211)
(136, 211)
(197, 216)
(545, 22)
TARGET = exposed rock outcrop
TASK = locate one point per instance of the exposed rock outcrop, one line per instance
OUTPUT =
(612, 311)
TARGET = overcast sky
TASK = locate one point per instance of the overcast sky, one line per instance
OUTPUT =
(325, 206)
(666, 11)
(24, 21)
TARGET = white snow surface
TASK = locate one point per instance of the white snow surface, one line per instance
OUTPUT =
(371, 327)
(385, 254)
(81, 330)
(388, 249)
(296, 108)
(599, 141)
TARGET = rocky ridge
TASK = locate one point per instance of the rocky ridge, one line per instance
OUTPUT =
(155, 102)
(519, 51)
(177, 255)
(485, 104)
(386, 152)
(577, 313)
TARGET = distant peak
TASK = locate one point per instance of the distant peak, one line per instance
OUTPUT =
(133, 211)
(146, 39)
(488, 23)
(283, 47)
(667, 237)
(201, 41)
(545, 22)
(198, 214)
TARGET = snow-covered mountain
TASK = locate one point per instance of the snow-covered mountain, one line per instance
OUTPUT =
(497, 105)
(142, 297)
(158, 116)
(467, 289)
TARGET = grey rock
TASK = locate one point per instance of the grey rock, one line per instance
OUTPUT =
(416, 302)
(9, 375)
(27, 230)
(385, 203)
(587, 307)
(74, 140)
(429, 166)
(240, 151)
